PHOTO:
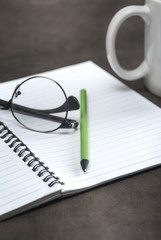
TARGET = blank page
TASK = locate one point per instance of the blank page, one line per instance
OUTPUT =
(124, 129)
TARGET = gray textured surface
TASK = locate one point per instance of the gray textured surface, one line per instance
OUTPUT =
(40, 35)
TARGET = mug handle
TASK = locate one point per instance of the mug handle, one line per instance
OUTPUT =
(117, 20)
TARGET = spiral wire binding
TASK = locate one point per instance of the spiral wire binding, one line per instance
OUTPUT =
(27, 156)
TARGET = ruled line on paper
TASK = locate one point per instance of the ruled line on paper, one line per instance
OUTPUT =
(19, 184)
(23, 196)
(101, 174)
(9, 185)
(111, 162)
(18, 191)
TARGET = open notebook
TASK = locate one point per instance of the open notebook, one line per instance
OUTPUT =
(124, 138)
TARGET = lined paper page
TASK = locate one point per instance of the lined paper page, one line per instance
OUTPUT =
(19, 185)
(124, 129)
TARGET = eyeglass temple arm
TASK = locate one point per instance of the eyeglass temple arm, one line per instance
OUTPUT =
(5, 104)
(67, 123)
(73, 104)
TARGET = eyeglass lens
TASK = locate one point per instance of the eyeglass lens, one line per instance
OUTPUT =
(37, 104)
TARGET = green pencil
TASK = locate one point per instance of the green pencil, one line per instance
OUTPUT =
(84, 130)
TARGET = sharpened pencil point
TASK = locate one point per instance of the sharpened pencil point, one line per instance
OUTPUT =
(84, 163)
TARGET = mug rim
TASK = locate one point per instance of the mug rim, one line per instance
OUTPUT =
(157, 1)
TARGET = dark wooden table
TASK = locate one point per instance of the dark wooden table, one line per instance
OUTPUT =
(40, 35)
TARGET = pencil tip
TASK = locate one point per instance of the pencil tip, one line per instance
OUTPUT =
(84, 164)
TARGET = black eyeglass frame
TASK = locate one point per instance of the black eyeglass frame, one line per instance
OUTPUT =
(71, 103)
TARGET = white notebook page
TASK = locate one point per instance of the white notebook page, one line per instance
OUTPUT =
(124, 129)
(19, 185)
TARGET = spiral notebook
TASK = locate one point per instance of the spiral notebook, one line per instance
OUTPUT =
(124, 138)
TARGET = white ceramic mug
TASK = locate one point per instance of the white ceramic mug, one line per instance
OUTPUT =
(150, 68)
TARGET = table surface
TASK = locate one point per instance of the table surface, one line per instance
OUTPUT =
(37, 36)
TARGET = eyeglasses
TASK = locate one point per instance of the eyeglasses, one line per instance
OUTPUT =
(40, 104)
